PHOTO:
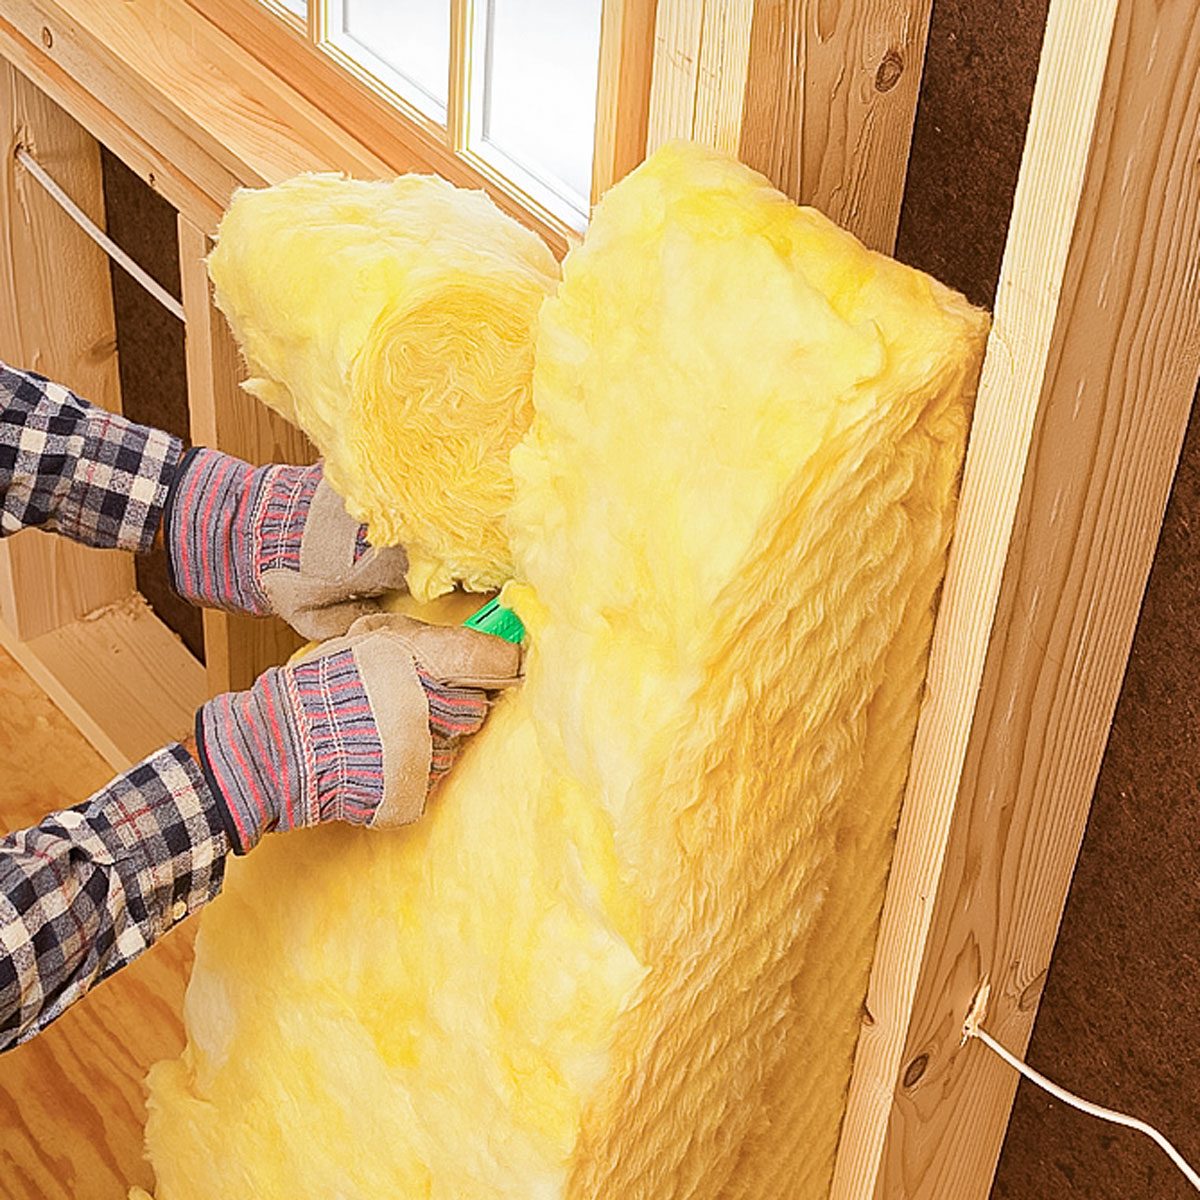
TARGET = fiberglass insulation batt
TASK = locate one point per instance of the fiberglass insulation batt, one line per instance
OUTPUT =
(625, 952)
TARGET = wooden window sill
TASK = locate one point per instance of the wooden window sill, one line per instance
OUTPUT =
(205, 114)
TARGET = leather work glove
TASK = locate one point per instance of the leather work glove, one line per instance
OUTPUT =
(359, 731)
(273, 540)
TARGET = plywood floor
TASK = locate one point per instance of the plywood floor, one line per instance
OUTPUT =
(71, 1100)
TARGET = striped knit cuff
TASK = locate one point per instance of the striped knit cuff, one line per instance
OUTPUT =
(208, 526)
(253, 755)
(228, 522)
(300, 747)
(347, 754)
(281, 515)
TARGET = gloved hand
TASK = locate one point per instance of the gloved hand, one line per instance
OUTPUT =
(360, 731)
(267, 540)
(273, 540)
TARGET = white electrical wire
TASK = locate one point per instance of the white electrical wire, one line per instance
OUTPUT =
(1086, 1106)
(98, 235)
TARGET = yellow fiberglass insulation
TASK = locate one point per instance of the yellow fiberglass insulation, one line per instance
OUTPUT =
(394, 322)
(624, 954)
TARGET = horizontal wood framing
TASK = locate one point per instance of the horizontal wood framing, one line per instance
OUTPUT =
(121, 676)
(110, 102)
(1087, 386)
(820, 98)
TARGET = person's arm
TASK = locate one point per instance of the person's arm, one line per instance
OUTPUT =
(360, 731)
(69, 467)
(89, 888)
(259, 540)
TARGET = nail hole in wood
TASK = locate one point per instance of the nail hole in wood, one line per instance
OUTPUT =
(47, 37)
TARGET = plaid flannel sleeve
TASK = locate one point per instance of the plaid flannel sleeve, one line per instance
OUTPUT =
(91, 887)
(75, 469)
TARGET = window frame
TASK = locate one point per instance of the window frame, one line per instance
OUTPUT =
(299, 53)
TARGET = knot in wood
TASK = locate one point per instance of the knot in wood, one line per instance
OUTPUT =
(1032, 991)
(890, 70)
(914, 1070)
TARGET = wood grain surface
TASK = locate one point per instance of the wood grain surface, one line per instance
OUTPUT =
(77, 70)
(831, 94)
(56, 317)
(155, 164)
(129, 684)
(1090, 376)
(71, 1100)
(1119, 1019)
(187, 86)
(622, 90)
(701, 55)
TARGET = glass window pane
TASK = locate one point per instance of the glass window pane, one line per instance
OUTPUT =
(541, 59)
(298, 8)
(404, 43)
